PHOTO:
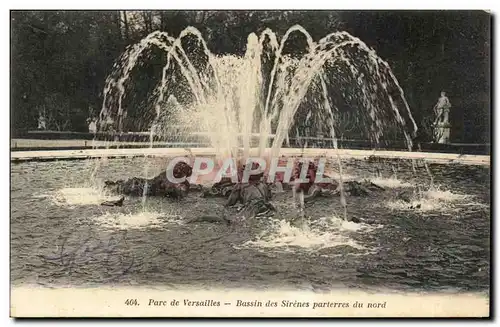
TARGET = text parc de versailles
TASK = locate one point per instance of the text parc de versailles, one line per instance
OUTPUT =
(256, 303)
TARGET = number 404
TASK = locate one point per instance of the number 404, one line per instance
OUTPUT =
(131, 302)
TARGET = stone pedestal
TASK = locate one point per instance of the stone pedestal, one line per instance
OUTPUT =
(442, 134)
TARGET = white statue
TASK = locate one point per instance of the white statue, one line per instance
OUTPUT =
(93, 126)
(442, 109)
(441, 122)
(42, 122)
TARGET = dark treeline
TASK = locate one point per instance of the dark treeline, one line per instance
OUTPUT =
(434, 51)
(60, 60)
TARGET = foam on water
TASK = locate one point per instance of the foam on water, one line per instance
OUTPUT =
(75, 196)
(444, 195)
(325, 232)
(391, 182)
(434, 199)
(137, 220)
(345, 177)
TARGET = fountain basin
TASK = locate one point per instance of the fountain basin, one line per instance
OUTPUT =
(21, 156)
(442, 245)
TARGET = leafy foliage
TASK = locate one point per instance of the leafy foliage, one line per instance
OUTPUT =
(60, 59)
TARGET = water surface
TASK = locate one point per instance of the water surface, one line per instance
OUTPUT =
(60, 235)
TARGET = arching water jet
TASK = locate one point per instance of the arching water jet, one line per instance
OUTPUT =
(232, 100)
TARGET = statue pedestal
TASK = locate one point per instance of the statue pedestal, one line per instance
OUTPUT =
(442, 134)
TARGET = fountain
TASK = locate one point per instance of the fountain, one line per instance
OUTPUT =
(419, 237)
(260, 99)
(266, 94)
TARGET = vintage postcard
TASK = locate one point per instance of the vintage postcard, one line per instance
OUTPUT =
(251, 163)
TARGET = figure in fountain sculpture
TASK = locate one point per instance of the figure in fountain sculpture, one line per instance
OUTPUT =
(441, 123)
(157, 186)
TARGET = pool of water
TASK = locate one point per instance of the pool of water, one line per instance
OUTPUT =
(61, 235)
